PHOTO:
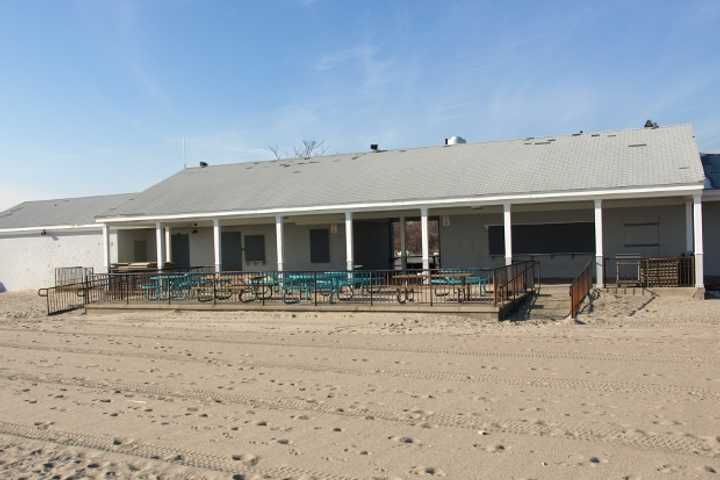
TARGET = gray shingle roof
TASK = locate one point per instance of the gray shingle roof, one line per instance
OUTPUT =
(627, 158)
(711, 164)
(64, 211)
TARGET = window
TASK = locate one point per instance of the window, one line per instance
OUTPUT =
(255, 248)
(547, 238)
(320, 246)
(140, 251)
(642, 234)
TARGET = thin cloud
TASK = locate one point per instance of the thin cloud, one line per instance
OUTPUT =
(374, 69)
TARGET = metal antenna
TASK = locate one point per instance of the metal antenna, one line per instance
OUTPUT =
(183, 153)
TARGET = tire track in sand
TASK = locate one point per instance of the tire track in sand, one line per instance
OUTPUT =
(552, 383)
(681, 443)
(149, 451)
(528, 355)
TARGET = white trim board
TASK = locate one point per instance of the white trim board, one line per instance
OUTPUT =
(674, 190)
(50, 228)
(711, 196)
(557, 222)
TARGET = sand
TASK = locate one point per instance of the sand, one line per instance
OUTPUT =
(633, 392)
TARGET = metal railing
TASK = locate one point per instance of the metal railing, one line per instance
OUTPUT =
(514, 281)
(368, 287)
(649, 272)
(72, 275)
(496, 287)
(580, 288)
(64, 298)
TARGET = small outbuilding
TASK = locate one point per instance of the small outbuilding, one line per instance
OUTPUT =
(39, 236)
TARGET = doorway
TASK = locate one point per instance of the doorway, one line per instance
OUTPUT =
(232, 253)
(373, 244)
(180, 250)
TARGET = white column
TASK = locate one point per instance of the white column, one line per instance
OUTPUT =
(349, 241)
(698, 250)
(507, 224)
(159, 245)
(689, 226)
(403, 244)
(217, 244)
(599, 254)
(279, 241)
(425, 239)
(168, 245)
(106, 246)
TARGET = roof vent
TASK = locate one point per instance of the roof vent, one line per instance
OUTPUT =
(374, 147)
(651, 124)
(454, 140)
(203, 164)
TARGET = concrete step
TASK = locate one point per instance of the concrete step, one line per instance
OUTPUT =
(553, 303)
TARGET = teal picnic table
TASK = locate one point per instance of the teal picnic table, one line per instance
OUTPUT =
(162, 287)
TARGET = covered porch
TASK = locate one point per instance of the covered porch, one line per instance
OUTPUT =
(622, 237)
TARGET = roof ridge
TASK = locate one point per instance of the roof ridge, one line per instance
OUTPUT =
(423, 147)
(84, 197)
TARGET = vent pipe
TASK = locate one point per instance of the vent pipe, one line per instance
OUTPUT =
(454, 140)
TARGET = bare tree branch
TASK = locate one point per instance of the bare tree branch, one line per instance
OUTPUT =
(275, 151)
(308, 149)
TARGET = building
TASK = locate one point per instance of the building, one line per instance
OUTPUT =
(563, 200)
(36, 237)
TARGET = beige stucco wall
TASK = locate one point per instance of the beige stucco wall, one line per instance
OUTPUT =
(297, 248)
(296, 252)
(126, 245)
(201, 245)
(464, 243)
(28, 261)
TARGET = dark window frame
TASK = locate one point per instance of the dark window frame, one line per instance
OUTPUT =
(579, 238)
(252, 248)
(140, 254)
(320, 245)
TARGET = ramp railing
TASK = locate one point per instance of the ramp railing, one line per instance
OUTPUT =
(580, 288)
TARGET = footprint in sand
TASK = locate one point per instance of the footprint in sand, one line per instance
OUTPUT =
(246, 458)
(404, 439)
(430, 471)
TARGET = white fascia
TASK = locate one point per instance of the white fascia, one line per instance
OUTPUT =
(53, 228)
(644, 192)
(711, 195)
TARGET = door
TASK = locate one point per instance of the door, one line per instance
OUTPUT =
(231, 248)
(180, 250)
(372, 244)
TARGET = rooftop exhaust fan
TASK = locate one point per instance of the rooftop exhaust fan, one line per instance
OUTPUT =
(454, 140)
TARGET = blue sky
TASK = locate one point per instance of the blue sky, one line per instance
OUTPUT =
(96, 97)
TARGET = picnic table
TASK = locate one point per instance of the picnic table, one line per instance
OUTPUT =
(248, 287)
(331, 285)
(440, 283)
(161, 287)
